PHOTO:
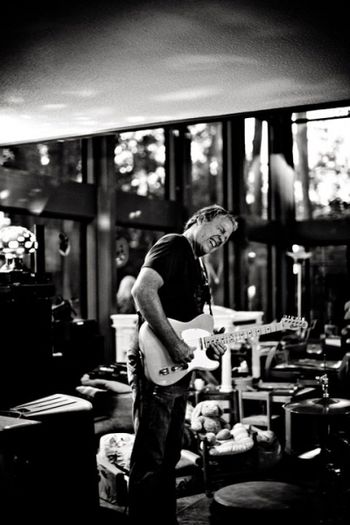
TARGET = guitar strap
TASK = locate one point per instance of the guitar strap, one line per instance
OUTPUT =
(140, 319)
(206, 281)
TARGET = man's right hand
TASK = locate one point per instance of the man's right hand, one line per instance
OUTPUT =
(181, 353)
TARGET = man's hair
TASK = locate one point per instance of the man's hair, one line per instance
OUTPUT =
(208, 214)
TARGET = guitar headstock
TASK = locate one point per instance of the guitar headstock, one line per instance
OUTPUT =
(290, 322)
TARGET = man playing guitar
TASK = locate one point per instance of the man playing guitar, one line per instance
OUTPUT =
(171, 285)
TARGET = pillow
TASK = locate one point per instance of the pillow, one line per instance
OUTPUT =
(117, 448)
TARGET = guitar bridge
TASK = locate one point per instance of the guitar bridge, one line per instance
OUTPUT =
(175, 368)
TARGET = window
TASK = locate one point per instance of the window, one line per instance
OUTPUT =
(139, 159)
(256, 167)
(206, 157)
(322, 163)
(329, 284)
(214, 265)
(207, 189)
(62, 255)
(256, 255)
(132, 244)
(59, 160)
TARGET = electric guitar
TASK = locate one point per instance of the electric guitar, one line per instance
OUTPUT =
(198, 333)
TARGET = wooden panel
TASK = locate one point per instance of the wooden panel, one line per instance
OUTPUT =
(137, 211)
(322, 232)
(316, 232)
(39, 195)
(259, 230)
(233, 200)
(103, 172)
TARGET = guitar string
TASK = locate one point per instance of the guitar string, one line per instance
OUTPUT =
(264, 329)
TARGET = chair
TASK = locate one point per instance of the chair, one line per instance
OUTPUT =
(226, 400)
(277, 365)
(113, 459)
(114, 435)
(220, 470)
(218, 467)
(343, 377)
(260, 400)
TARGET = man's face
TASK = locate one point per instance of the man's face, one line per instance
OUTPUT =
(210, 235)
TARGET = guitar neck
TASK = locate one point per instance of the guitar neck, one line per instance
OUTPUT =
(249, 331)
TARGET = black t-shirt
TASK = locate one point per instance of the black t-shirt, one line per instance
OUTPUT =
(185, 289)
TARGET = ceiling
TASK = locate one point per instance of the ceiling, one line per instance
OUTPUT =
(81, 68)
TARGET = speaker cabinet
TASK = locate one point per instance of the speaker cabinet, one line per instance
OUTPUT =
(26, 340)
(50, 466)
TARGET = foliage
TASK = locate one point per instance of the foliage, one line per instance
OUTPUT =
(139, 162)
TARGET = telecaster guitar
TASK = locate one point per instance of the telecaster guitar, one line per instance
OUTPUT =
(198, 334)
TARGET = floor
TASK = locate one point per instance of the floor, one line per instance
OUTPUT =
(195, 509)
(328, 489)
(192, 510)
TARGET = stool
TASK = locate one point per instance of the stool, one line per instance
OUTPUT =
(271, 502)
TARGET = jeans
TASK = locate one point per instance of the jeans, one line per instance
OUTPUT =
(157, 449)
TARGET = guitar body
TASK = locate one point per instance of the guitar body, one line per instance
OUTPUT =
(158, 366)
(197, 333)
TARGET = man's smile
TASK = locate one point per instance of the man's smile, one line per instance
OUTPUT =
(214, 241)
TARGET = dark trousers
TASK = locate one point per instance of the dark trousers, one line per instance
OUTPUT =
(160, 416)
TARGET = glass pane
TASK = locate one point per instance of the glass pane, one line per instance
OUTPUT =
(131, 247)
(257, 276)
(58, 160)
(323, 113)
(62, 255)
(206, 157)
(256, 174)
(214, 263)
(322, 167)
(329, 284)
(132, 244)
(139, 159)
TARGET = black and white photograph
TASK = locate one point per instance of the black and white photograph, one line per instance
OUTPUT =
(175, 262)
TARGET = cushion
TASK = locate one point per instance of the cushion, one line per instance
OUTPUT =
(113, 460)
(116, 448)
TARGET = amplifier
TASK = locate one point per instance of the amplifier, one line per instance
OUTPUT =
(61, 475)
(17, 465)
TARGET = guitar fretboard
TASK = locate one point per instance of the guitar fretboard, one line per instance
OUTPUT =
(249, 331)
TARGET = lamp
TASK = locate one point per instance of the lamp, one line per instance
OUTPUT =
(299, 255)
(15, 242)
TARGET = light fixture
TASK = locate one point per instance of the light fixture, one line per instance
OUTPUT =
(299, 256)
(15, 242)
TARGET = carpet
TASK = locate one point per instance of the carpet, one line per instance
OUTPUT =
(193, 510)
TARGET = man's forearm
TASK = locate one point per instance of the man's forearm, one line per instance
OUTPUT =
(152, 311)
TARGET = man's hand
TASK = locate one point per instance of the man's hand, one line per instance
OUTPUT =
(216, 349)
(181, 353)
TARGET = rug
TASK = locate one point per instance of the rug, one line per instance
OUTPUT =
(193, 510)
